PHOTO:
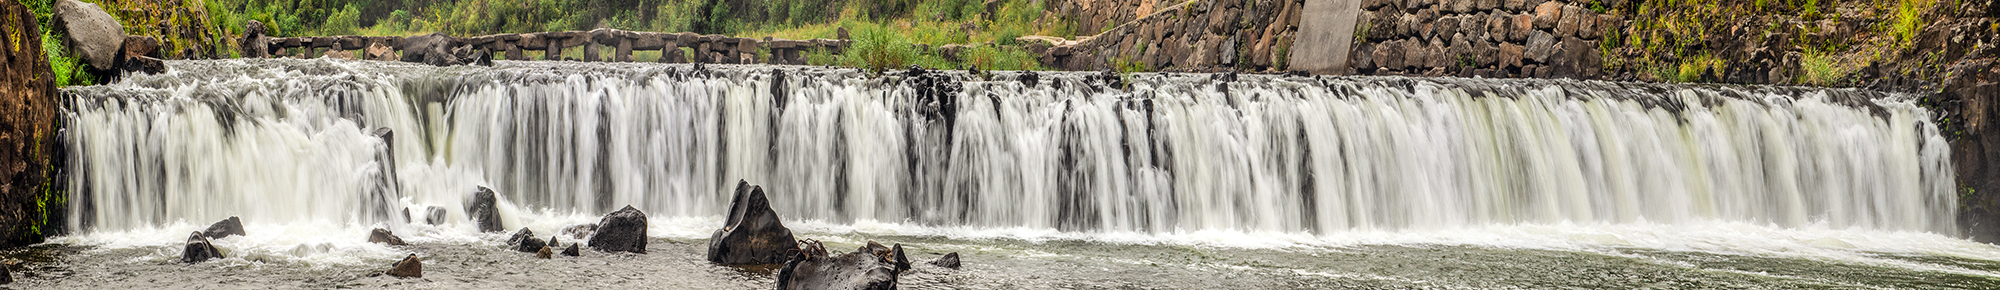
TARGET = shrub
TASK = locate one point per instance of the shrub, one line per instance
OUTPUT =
(988, 57)
(67, 69)
(877, 49)
(1822, 68)
(345, 21)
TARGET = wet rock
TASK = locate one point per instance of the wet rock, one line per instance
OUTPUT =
(752, 234)
(813, 268)
(482, 206)
(572, 251)
(409, 267)
(581, 231)
(948, 261)
(526, 242)
(199, 249)
(140, 63)
(6, 276)
(433, 215)
(544, 253)
(95, 35)
(621, 231)
(383, 236)
(227, 227)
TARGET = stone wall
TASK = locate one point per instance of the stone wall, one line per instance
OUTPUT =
(1487, 38)
(1093, 16)
(1199, 35)
(27, 126)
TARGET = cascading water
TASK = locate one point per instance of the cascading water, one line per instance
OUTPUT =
(287, 141)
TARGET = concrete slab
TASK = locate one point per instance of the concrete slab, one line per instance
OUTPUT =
(1326, 33)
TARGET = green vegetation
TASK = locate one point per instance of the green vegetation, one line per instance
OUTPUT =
(1822, 68)
(1907, 22)
(885, 30)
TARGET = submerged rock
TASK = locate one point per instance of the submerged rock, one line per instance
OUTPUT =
(199, 249)
(752, 234)
(580, 232)
(231, 226)
(433, 215)
(525, 241)
(813, 268)
(948, 261)
(621, 231)
(572, 251)
(383, 236)
(544, 253)
(409, 267)
(483, 208)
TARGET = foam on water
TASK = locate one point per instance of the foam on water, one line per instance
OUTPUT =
(1259, 162)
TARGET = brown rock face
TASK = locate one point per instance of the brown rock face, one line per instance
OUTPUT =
(27, 124)
(409, 267)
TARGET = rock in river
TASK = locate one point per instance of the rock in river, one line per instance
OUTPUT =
(813, 268)
(382, 236)
(483, 208)
(752, 234)
(525, 241)
(621, 231)
(199, 249)
(231, 226)
(948, 261)
(409, 267)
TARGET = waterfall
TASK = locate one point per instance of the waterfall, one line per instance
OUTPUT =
(291, 141)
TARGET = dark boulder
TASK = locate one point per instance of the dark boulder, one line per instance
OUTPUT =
(409, 267)
(813, 268)
(752, 233)
(255, 43)
(948, 261)
(483, 208)
(572, 251)
(95, 35)
(526, 242)
(437, 49)
(621, 231)
(199, 249)
(382, 236)
(6, 276)
(231, 226)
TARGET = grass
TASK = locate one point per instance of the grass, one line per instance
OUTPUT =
(1823, 68)
(1908, 20)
